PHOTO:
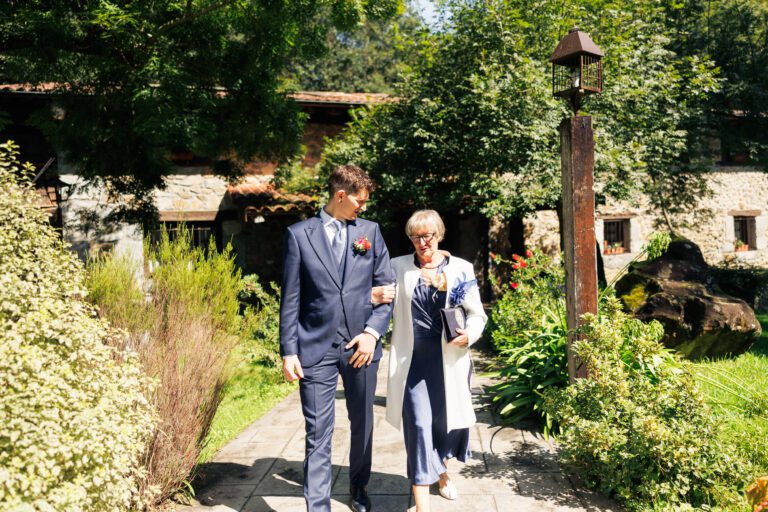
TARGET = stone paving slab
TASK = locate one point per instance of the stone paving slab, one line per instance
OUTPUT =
(511, 469)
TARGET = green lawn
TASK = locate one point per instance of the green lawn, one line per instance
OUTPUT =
(253, 389)
(735, 389)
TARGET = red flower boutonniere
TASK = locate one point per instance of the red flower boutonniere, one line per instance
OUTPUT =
(361, 245)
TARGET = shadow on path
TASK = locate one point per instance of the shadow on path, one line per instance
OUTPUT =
(232, 484)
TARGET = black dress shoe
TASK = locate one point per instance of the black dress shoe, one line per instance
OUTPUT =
(359, 501)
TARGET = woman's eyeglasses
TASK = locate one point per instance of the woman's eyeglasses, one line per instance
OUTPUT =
(426, 238)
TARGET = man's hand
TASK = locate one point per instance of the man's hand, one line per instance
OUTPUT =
(292, 368)
(461, 340)
(366, 343)
(382, 294)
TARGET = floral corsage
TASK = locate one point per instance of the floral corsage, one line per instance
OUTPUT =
(460, 288)
(361, 245)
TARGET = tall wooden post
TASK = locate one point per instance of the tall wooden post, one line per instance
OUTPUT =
(578, 163)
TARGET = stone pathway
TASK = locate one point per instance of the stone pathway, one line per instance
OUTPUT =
(511, 470)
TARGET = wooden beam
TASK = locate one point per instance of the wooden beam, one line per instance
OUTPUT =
(578, 162)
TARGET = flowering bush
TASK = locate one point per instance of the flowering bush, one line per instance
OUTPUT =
(531, 283)
(529, 330)
(74, 420)
(638, 427)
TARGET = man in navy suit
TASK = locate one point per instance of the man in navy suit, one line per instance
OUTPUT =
(328, 326)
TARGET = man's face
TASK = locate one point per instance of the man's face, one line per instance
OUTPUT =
(351, 205)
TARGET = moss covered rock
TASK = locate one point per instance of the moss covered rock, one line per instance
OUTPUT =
(679, 290)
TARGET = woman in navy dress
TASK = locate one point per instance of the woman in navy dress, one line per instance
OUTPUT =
(428, 387)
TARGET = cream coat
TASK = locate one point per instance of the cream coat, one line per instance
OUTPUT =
(456, 360)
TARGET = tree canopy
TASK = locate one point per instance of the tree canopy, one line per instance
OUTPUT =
(368, 58)
(735, 34)
(476, 124)
(135, 80)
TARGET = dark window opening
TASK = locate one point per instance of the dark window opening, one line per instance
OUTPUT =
(615, 236)
(201, 233)
(746, 234)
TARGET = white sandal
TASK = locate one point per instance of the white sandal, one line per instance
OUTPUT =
(449, 491)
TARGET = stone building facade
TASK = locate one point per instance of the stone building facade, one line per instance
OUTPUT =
(248, 213)
(252, 216)
(735, 211)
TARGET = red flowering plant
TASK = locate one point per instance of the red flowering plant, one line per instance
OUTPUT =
(528, 329)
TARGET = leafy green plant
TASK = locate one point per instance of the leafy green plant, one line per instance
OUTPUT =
(185, 332)
(638, 427)
(529, 283)
(529, 330)
(74, 417)
(261, 321)
(539, 363)
(205, 280)
(114, 290)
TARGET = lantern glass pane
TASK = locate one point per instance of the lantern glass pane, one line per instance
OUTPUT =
(565, 78)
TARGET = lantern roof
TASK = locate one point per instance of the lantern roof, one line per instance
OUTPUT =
(573, 44)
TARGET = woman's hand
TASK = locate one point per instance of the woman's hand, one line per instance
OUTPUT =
(461, 340)
(382, 294)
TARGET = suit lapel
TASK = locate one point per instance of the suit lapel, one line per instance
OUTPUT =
(319, 242)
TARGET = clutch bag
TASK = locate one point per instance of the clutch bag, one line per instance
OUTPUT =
(453, 318)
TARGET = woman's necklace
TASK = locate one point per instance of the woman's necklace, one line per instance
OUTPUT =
(434, 267)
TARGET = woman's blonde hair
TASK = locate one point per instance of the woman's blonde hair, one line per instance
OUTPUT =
(426, 219)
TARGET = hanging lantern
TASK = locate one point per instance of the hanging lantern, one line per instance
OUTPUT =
(577, 69)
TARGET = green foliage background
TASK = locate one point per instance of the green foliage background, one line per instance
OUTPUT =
(74, 418)
(477, 125)
(134, 80)
(638, 428)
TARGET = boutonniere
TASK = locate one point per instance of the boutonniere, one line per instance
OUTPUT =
(361, 245)
(460, 288)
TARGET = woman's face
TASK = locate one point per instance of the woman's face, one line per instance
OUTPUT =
(424, 240)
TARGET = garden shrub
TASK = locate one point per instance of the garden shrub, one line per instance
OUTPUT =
(74, 419)
(529, 330)
(261, 322)
(191, 325)
(745, 282)
(113, 288)
(638, 428)
(530, 283)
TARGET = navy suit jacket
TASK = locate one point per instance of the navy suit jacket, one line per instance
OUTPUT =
(315, 298)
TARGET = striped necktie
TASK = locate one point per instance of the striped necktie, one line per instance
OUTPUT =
(338, 242)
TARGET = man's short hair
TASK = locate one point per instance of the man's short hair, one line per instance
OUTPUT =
(349, 178)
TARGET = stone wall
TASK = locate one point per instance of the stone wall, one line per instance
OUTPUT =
(84, 224)
(735, 191)
(193, 189)
(191, 194)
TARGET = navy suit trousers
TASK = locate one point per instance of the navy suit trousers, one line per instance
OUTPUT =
(318, 395)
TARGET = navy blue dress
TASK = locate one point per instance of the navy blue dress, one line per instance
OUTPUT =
(425, 427)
